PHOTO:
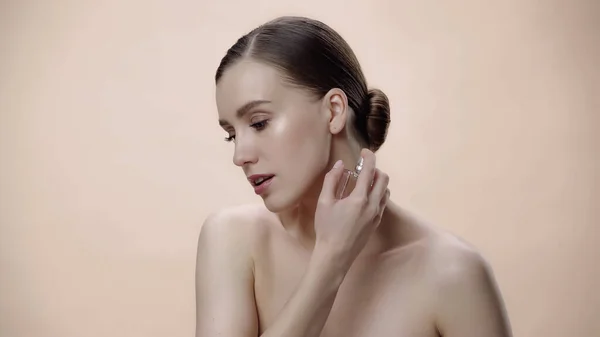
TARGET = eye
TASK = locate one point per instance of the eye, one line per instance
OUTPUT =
(260, 125)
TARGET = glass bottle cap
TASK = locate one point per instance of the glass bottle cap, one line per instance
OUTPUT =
(359, 166)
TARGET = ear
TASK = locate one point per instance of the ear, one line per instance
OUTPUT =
(335, 105)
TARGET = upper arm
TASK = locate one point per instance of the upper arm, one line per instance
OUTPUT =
(225, 303)
(469, 302)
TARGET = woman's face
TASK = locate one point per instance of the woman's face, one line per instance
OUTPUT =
(276, 130)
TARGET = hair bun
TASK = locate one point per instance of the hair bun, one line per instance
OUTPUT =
(378, 118)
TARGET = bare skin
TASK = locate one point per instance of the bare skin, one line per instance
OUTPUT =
(410, 280)
(306, 264)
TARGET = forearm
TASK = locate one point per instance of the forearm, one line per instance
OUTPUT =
(306, 312)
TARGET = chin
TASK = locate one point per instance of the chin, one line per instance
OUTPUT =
(281, 199)
(278, 203)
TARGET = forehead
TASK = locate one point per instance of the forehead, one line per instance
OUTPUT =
(246, 81)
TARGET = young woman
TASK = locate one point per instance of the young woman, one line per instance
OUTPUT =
(294, 102)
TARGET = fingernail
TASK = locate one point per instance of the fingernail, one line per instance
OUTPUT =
(338, 164)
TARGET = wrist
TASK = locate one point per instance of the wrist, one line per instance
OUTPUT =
(329, 264)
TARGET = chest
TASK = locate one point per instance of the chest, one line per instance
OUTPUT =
(381, 295)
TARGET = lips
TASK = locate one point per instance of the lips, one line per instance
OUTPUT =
(259, 179)
(260, 182)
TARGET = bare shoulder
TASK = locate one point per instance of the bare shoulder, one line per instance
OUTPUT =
(242, 224)
(454, 259)
(233, 234)
(468, 301)
(225, 272)
(444, 256)
(243, 215)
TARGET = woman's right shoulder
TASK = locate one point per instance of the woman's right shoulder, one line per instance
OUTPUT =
(236, 226)
(224, 275)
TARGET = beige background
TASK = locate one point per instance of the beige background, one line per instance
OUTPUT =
(111, 155)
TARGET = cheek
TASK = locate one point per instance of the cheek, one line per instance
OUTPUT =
(297, 131)
(304, 150)
(302, 138)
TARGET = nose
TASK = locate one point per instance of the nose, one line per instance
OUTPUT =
(245, 152)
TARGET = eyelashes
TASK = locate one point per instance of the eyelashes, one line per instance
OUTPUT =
(258, 126)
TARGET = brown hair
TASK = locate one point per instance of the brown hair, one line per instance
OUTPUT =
(314, 56)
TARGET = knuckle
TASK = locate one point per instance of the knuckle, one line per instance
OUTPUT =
(324, 202)
(374, 211)
(360, 200)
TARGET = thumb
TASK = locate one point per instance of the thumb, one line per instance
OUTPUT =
(331, 181)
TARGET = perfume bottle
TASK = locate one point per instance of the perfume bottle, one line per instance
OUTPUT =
(348, 181)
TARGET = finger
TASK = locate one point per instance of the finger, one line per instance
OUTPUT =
(382, 205)
(331, 180)
(380, 187)
(385, 199)
(365, 178)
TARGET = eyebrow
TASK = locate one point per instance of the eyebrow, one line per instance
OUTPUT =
(244, 109)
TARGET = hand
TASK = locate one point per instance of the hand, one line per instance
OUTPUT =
(343, 226)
